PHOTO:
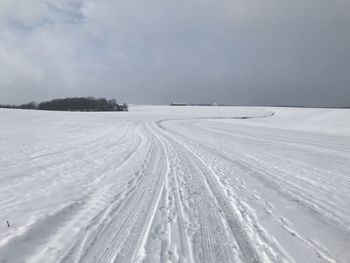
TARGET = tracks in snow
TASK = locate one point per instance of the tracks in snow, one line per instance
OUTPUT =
(116, 236)
(217, 229)
(174, 198)
(261, 195)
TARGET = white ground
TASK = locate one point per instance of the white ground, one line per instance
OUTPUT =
(175, 184)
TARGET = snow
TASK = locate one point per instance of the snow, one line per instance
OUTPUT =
(175, 184)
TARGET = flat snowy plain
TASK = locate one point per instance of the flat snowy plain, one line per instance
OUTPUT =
(175, 184)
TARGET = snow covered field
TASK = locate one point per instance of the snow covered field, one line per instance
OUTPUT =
(175, 184)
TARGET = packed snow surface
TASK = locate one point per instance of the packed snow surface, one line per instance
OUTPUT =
(175, 184)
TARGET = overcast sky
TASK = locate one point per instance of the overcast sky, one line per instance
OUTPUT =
(243, 52)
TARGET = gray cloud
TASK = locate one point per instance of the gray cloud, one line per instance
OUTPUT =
(229, 51)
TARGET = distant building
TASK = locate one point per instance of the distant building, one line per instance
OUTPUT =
(178, 104)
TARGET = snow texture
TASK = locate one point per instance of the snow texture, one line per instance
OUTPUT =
(175, 184)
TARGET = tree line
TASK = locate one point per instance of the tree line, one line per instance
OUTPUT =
(73, 104)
